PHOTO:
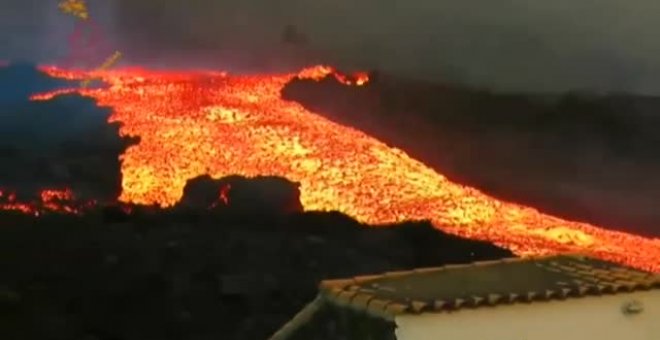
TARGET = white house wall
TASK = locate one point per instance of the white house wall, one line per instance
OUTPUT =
(575, 319)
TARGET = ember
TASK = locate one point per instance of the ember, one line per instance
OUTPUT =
(49, 201)
(197, 123)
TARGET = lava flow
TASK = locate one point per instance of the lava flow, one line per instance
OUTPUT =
(194, 123)
(49, 200)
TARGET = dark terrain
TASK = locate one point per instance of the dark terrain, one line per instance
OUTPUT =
(64, 142)
(208, 269)
(184, 275)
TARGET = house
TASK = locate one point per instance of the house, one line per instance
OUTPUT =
(549, 298)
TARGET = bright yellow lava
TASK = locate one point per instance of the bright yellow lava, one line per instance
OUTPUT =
(194, 123)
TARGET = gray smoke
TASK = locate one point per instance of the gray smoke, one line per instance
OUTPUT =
(524, 45)
(36, 31)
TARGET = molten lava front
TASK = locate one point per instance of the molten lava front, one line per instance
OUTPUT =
(194, 123)
(49, 200)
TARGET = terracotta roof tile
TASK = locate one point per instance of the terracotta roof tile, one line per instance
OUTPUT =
(485, 284)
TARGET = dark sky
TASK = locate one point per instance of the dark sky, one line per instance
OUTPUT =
(529, 45)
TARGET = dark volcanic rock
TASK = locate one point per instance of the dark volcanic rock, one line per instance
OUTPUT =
(202, 192)
(240, 195)
(168, 275)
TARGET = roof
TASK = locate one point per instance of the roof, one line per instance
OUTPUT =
(486, 283)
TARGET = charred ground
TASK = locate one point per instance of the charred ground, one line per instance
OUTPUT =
(185, 274)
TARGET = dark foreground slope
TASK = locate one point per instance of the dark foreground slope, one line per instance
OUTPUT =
(186, 275)
(234, 260)
(588, 158)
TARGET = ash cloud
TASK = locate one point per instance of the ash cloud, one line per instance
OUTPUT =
(516, 45)
(33, 31)
(512, 46)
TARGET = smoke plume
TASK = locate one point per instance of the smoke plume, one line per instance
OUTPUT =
(513, 45)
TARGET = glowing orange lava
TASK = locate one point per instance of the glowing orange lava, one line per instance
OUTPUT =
(50, 200)
(194, 123)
